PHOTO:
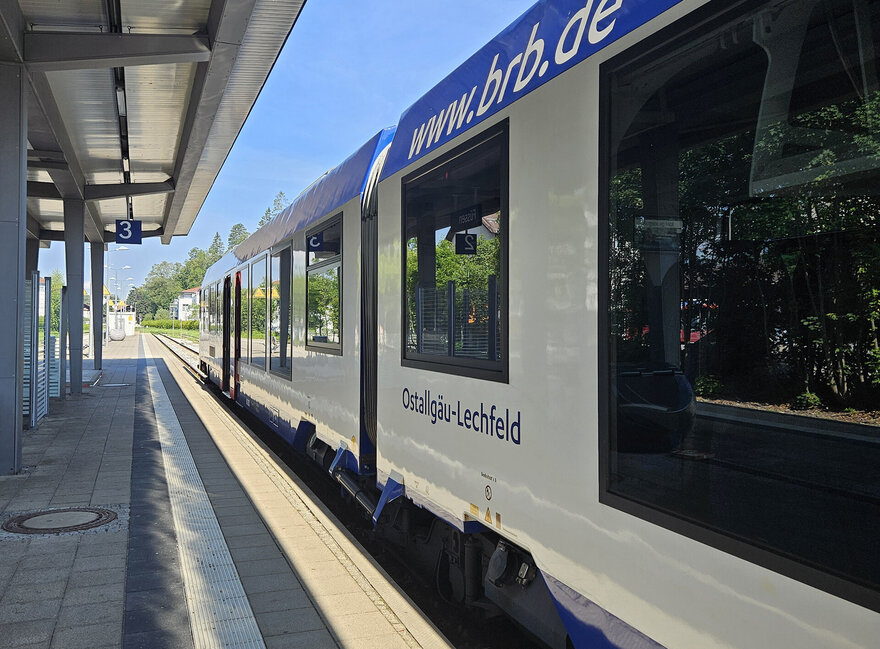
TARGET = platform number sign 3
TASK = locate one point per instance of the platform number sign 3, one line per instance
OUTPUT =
(466, 244)
(128, 231)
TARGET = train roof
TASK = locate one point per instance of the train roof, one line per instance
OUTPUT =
(548, 39)
(328, 193)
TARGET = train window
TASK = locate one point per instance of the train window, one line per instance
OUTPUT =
(454, 275)
(324, 288)
(245, 315)
(741, 290)
(259, 291)
(279, 311)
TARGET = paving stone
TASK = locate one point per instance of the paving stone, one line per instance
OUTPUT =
(19, 593)
(319, 639)
(29, 611)
(292, 621)
(22, 634)
(279, 600)
(86, 636)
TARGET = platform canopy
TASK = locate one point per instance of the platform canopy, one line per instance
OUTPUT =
(133, 105)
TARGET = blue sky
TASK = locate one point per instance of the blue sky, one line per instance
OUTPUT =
(348, 69)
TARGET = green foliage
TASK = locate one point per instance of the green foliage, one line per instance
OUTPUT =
(708, 386)
(167, 323)
(806, 401)
(323, 302)
(237, 234)
(278, 205)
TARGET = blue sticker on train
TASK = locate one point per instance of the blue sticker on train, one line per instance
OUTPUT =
(544, 42)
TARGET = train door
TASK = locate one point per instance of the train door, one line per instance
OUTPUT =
(226, 333)
(236, 333)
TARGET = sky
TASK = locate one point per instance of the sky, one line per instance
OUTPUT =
(348, 69)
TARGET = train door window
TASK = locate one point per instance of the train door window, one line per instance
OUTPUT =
(455, 261)
(279, 311)
(212, 312)
(324, 288)
(245, 315)
(740, 298)
(259, 291)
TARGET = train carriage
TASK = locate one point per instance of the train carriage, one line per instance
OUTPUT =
(584, 261)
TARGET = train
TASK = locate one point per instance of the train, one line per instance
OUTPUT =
(478, 325)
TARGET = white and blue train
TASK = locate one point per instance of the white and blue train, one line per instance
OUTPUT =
(538, 328)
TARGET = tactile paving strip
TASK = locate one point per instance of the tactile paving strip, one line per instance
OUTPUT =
(220, 614)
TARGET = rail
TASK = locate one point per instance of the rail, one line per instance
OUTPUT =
(183, 351)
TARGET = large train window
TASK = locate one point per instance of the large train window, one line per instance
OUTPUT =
(245, 315)
(279, 312)
(455, 261)
(259, 291)
(324, 288)
(742, 188)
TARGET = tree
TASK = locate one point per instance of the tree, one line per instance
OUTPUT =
(216, 250)
(278, 204)
(237, 234)
(57, 283)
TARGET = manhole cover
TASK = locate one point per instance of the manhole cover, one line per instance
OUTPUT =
(55, 521)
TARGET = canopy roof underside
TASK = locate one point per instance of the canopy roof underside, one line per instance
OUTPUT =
(133, 105)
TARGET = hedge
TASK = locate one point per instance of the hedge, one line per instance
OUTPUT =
(167, 323)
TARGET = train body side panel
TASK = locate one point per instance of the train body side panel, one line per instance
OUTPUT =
(324, 388)
(545, 485)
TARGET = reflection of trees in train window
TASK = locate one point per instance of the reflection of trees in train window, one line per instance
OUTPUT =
(259, 291)
(744, 266)
(245, 315)
(455, 304)
(324, 288)
(279, 310)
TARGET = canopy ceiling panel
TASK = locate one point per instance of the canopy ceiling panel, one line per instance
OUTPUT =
(136, 102)
(162, 16)
(88, 108)
(158, 96)
(49, 15)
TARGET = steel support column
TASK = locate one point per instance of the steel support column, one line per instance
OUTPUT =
(74, 236)
(97, 306)
(32, 254)
(13, 232)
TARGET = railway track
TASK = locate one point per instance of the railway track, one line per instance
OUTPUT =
(464, 629)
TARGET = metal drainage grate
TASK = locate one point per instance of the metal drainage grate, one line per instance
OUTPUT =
(57, 521)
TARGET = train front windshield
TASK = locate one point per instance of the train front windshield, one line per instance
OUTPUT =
(744, 280)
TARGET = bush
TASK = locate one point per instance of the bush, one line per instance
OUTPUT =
(708, 386)
(167, 323)
(806, 401)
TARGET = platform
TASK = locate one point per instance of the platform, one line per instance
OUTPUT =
(184, 530)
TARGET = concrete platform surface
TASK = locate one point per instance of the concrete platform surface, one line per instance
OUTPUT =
(202, 538)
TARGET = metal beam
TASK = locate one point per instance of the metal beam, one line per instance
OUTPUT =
(227, 24)
(34, 154)
(13, 233)
(11, 29)
(47, 51)
(121, 190)
(46, 132)
(42, 190)
(33, 227)
(47, 165)
(108, 236)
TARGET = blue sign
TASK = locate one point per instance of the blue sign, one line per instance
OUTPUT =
(544, 42)
(316, 242)
(128, 231)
